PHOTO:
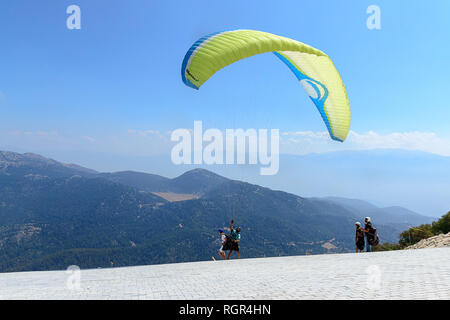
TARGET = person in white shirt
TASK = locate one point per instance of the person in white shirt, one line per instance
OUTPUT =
(223, 239)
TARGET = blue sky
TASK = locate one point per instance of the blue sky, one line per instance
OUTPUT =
(108, 95)
(94, 88)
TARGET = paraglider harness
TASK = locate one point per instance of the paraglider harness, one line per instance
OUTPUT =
(372, 236)
(228, 243)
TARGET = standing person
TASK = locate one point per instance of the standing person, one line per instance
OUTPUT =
(359, 239)
(368, 230)
(223, 239)
(235, 236)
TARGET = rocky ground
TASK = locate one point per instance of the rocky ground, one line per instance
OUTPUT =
(439, 241)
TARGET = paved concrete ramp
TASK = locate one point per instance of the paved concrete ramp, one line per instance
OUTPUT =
(408, 274)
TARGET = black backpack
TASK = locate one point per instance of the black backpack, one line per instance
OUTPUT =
(227, 244)
(372, 237)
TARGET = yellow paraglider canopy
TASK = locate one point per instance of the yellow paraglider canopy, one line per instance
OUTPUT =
(313, 68)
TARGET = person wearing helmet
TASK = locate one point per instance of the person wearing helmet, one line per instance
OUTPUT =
(235, 236)
(367, 229)
(359, 239)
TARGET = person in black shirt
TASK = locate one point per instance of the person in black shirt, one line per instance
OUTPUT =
(359, 239)
(235, 239)
(367, 229)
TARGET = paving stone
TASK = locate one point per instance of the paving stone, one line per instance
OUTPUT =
(408, 274)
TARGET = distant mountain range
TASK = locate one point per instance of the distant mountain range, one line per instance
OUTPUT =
(53, 215)
(415, 180)
(196, 181)
(397, 216)
(411, 179)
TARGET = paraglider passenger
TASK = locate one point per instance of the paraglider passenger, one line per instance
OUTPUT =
(223, 239)
(235, 239)
(359, 239)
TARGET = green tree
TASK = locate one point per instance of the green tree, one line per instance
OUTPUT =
(414, 235)
(442, 225)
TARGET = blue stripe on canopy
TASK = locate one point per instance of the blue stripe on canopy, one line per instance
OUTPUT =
(320, 101)
(188, 56)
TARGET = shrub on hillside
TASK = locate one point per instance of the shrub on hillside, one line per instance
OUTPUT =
(387, 247)
(414, 235)
(442, 225)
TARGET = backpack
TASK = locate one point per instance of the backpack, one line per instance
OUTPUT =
(234, 235)
(372, 237)
(227, 244)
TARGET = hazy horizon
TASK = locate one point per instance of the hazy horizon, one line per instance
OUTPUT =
(313, 170)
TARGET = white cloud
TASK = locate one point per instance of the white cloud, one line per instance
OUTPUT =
(25, 139)
(90, 139)
(149, 133)
(306, 142)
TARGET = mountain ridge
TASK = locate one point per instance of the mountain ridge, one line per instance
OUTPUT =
(53, 215)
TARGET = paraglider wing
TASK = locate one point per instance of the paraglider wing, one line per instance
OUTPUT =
(313, 68)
